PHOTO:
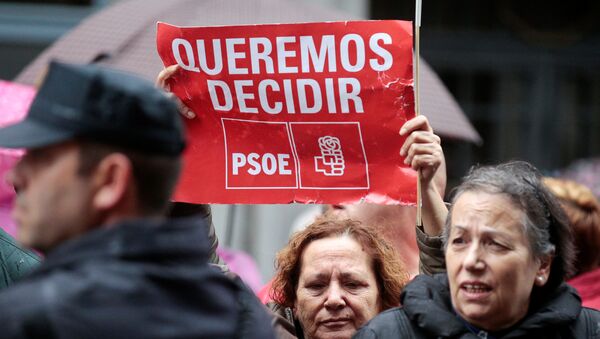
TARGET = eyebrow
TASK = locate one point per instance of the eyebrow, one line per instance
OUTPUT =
(345, 275)
(317, 276)
(486, 229)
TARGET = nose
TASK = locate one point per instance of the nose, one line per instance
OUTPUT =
(474, 260)
(335, 297)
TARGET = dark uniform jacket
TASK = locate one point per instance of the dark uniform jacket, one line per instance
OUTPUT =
(15, 261)
(427, 312)
(138, 279)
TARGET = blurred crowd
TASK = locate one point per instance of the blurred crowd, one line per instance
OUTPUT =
(102, 252)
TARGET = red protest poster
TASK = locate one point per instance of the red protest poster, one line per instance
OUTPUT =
(294, 112)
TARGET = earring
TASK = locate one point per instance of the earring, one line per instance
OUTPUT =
(540, 279)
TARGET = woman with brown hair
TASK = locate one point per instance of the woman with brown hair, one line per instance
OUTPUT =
(334, 276)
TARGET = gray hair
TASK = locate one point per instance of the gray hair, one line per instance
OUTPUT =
(545, 224)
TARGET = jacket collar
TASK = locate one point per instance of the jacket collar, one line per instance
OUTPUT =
(136, 239)
(426, 301)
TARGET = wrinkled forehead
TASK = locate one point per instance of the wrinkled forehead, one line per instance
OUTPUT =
(336, 248)
(490, 212)
(339, 256)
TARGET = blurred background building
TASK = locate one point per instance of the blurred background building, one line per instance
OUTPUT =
(526, 73)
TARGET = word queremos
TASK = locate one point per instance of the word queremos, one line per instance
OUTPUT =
(236, 57)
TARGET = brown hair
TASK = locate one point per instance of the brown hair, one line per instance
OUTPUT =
(388, 268)
(583, 211)
(155, 176)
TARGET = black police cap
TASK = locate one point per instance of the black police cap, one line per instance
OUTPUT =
(101, 105)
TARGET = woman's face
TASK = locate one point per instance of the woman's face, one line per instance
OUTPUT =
(337, 289)
(490, 265)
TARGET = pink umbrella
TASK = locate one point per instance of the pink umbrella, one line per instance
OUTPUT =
(14, 102)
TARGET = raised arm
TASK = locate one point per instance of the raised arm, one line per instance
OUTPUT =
(423, 152)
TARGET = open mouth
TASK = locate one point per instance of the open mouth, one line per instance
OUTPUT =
(476, 289)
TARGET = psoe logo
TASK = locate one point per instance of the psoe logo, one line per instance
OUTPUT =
(331, 160)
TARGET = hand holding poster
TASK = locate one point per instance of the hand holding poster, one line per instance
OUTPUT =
(294, 112)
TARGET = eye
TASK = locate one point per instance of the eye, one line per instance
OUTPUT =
(315, 286)
(496, 245)
(352, 285)
(458, 241)
(38, 158)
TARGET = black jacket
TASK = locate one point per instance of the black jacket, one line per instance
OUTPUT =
(427, 313)
(140, 279)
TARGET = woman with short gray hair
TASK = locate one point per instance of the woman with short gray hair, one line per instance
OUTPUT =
(508, 250)
(545, 223)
